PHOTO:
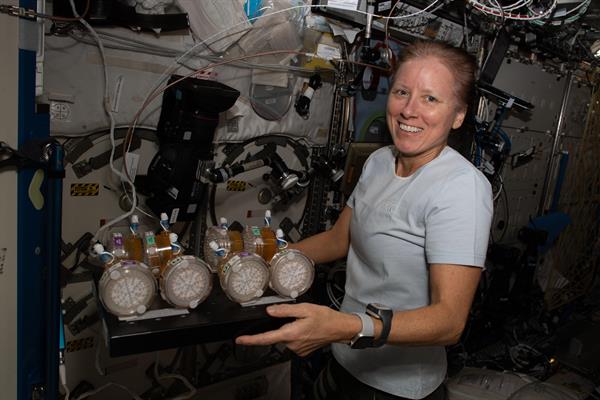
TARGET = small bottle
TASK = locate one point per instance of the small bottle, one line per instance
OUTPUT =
(269, 241)
(176, 248)
(268, 219)
(105, 256)
(163, 241)
(151, 250)
(164, 221)
(133, 242)
(236, 242)
(282, 244)
(219, 251)
(219, 257)
(118, 246)
(223, 223)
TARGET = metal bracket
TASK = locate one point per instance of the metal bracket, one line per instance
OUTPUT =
(34, 154)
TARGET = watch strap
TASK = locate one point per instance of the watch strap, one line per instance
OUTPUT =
(385, 316)
(367, 330)
(368, 327)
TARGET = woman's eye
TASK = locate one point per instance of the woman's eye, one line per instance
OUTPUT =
(401, 92)
(430, 99)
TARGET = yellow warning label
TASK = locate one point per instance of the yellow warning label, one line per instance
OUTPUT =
(85, 189)
(236, 186)
(80, 344)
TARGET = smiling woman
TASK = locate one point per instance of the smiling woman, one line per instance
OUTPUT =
(415, 233)
(429, 98)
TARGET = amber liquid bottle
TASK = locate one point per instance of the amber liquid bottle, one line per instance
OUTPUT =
(163, 242)
(133, 242)
(152, 255)
(269, 247)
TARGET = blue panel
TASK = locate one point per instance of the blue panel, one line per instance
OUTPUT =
(31, 324)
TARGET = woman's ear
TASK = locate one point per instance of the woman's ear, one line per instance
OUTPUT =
(459, 118)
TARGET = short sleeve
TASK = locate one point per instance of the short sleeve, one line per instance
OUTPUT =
(458, 221)
(361, 184)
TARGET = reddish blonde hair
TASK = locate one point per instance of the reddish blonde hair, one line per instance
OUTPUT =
(461, 65)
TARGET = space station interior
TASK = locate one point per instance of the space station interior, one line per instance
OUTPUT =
(160, 159)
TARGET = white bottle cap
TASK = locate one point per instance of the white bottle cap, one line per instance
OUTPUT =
(268, 214)
(98, 248)
(164, 217)
(279, 234)
(135, 219)
(173, 237)
(223, 221)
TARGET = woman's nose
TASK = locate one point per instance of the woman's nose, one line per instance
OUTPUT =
(410, 108)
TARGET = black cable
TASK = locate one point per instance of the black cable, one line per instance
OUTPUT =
(211, 205)
(507, 214)
(506, 217)
(175, 360)
(61, 29)
(198, 227)
(294, 143)
(77, 259)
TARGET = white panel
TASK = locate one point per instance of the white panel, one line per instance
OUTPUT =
(74, 85)
(526, 129)
(83, 213)
(8, 208)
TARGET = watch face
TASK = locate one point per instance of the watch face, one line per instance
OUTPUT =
(362, 342)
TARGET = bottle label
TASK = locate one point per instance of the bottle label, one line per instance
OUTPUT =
(117, 240)
(225, 268)
(150, 240)
(309, 92)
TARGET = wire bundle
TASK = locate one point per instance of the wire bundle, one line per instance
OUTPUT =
(494, 8)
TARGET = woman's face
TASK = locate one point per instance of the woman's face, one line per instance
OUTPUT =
(422, 108)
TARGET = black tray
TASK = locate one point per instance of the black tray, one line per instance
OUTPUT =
(216, 319)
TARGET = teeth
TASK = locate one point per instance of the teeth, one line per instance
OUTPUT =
(410, 128)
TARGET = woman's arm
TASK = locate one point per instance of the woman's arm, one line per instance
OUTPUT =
(330, 245)
(442, 322)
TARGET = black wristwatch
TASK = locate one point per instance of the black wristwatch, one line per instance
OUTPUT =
(366, 337)
(384, 314)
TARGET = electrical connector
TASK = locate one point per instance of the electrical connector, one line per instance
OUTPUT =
(18, 11)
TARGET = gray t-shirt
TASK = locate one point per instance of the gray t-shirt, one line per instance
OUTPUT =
(440, 214)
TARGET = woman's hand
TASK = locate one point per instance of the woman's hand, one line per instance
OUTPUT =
(315, 326)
